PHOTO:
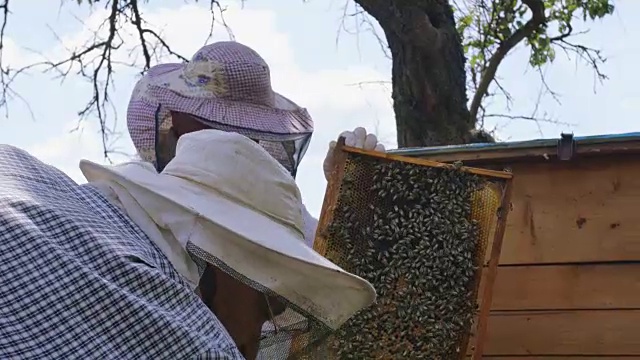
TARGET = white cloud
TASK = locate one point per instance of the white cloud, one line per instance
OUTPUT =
(14, 56)
(66, 148)
(332, 95)
(324, 93)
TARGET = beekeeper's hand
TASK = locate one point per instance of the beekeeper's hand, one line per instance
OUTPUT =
(356, 138)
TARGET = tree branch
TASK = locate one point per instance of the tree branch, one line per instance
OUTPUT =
(4, 6)
(95, 60)
(536, 21)
(363, 22)
(408, 21)
(379, 9)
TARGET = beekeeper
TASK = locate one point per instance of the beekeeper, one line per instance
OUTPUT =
(225, 86)
(108, 269)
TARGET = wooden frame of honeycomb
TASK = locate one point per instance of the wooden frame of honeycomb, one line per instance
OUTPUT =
(488, 207)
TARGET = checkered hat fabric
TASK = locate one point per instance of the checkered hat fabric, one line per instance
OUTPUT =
(226, 84)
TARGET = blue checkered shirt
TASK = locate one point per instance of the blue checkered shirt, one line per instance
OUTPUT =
(79, 280)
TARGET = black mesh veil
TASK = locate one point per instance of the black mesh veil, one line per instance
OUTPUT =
(288, 149)
(294, 334)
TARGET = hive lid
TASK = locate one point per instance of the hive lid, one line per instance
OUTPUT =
(539, 149)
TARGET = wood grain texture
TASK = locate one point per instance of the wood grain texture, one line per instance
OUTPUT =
(593, 333)
(578, 357)
(567, 216)
(496, 174)
(330, 197)
(559, 287)
(582, 211)
(489, 274)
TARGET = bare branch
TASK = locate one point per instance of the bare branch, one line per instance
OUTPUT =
(379, 9)
(535, 119)
(373, 82)
(96, 61)
(536, 21)
(528, 118)
(4, 73)
(360, 18)
(591, 56)
(405, 20)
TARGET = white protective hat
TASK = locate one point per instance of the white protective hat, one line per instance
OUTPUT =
(230, 183)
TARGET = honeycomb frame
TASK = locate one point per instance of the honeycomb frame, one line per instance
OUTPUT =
(490, 235)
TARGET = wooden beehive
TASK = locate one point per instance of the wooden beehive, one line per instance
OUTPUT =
(353, 183)
(568, 284)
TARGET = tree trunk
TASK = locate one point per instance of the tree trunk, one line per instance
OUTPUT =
(429, 96)
(429, 79)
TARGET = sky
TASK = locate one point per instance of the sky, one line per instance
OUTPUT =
(334, 73)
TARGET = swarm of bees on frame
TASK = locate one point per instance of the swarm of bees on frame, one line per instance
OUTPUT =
(408, 230)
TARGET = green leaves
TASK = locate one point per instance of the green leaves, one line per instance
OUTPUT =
(490, 29)
(486, 24)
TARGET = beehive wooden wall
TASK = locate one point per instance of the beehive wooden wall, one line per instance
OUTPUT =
(568, 284)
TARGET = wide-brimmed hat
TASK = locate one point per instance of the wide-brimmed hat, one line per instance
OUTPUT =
(227, 86)
(229, 182)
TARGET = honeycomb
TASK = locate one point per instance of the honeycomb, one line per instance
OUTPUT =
(419, 232)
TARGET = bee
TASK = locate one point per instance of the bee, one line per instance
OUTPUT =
(408, 230)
